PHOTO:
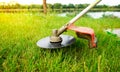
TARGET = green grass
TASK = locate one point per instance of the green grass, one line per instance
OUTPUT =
(19, 33)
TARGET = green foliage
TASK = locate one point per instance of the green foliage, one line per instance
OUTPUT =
(35, 6)
(71, 6)
(52, 6)
(57, 5)
(117, 6)
(15, 6)
(19, 33)
(79, 6)
(64, 6)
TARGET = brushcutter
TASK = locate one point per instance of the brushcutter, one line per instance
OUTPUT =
(57, 40)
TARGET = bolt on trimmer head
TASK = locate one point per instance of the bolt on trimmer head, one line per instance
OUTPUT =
(56, 40)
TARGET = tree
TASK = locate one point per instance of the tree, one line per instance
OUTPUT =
(16, 6)
(80, 6)
(64, 6)
(97, 6)
(57, 5)
(71, 6)
(118, 6)
(104, 6)
(50, 6)
(44, 7)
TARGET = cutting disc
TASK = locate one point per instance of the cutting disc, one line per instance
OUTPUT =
(66, 41)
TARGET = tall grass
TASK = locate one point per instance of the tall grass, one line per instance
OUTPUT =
(19, 33)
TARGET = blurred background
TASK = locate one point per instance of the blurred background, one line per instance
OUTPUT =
(105, 7)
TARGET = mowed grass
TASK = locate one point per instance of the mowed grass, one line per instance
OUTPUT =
(19, 33)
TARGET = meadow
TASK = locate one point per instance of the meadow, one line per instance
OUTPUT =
(19, 33)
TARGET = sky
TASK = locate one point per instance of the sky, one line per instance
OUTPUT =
(107, 2)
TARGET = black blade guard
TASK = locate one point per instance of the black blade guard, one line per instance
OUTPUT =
(66, 41)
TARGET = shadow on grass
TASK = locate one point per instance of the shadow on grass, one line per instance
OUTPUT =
(76, 50)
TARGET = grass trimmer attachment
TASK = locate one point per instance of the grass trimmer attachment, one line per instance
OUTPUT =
(56, 40)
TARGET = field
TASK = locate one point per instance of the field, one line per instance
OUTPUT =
(19, 33)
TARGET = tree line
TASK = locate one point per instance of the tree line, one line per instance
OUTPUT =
(53, 6)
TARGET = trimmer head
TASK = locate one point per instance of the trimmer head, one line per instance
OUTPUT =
(66, 41)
